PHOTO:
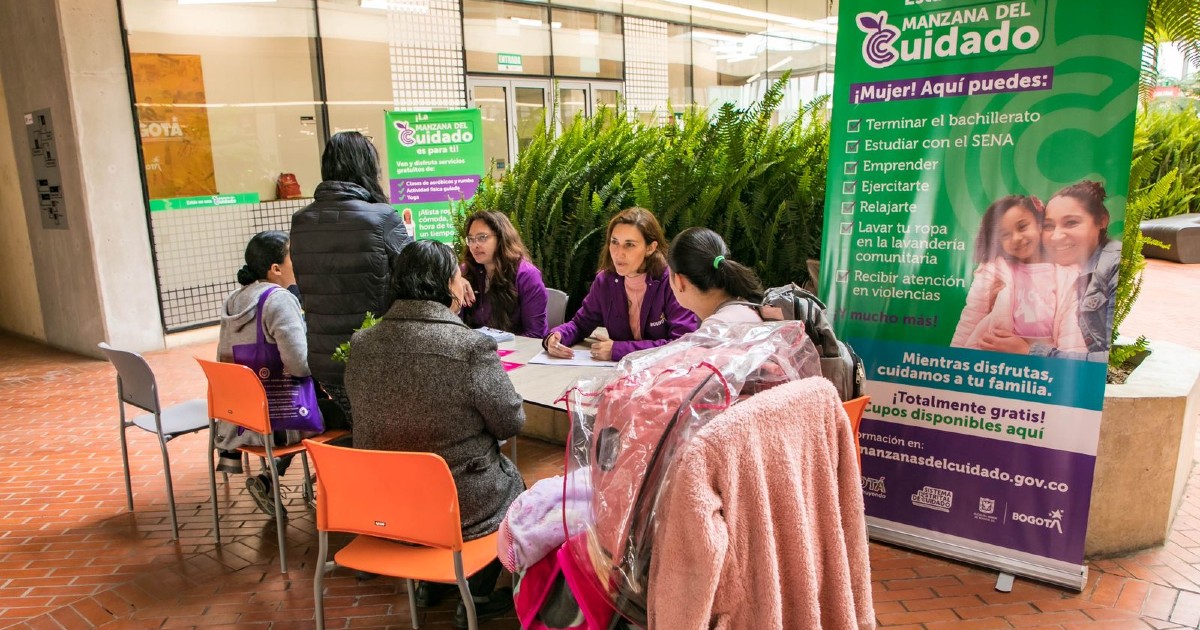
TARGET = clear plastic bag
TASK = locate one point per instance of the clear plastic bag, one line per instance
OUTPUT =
(627, 426)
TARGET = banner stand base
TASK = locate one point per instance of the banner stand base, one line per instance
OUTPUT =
(1004, 582)
(1068, 576)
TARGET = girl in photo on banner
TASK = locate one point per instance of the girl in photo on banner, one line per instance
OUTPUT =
(1017, 291)
(1075, 236)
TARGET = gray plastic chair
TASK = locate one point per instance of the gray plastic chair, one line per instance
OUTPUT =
(556, 308)
(136, 386)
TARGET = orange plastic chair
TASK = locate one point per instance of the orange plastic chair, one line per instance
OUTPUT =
(854, 409)
(236, 395)
(390, 498)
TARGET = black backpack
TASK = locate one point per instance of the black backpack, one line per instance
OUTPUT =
(839, 363)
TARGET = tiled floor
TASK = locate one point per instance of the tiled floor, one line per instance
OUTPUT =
(71, 556)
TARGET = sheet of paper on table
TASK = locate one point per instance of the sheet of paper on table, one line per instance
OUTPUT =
(583, 358)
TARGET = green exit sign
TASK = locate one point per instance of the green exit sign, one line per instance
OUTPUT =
(508, 62)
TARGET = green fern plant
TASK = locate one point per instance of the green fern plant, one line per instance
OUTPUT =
(1168, 21)
(1147, 190)
(1171, 141)
(762, 186)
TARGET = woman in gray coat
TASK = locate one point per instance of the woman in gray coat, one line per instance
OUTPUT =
(421, 380)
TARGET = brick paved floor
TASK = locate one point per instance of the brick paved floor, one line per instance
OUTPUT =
(71, 556)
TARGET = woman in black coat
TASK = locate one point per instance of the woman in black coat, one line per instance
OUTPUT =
(343, 245)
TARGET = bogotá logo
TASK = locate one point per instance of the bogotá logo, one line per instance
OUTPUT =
(1053, 521)
(407, 136)
(874, 487)
(877, 48)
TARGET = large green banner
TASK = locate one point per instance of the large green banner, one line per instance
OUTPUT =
(435, 160)
(979, 167)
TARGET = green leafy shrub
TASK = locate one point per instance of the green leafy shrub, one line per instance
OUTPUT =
(1170, 142)
(342, 354)
(762, 186)
(1147, 192)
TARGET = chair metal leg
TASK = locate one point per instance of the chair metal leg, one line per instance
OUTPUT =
(162, 445)
(465, 591)
(319, 578)
(412, 604)
(125, 456)
(280, 526)
(212, 478)
(308, 489)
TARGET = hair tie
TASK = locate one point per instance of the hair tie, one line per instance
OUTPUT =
(1037, 204)
(717, 262)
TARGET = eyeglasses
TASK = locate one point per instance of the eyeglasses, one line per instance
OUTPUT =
(482, 239)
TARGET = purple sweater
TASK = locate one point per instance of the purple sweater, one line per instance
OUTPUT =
(663, 319)
(527, 318)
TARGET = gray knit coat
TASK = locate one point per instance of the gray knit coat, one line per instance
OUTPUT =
(420, 380)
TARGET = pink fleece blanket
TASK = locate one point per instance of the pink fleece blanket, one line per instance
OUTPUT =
(762, 522)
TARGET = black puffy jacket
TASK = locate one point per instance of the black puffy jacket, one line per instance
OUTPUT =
(343, 245)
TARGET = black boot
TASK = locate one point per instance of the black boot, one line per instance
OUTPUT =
(498, 604)
(430, 594)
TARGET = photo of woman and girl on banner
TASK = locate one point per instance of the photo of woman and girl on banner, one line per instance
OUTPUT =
(1046, 277)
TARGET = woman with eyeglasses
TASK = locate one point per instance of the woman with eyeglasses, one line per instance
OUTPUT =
(631, 295)
(506, 290)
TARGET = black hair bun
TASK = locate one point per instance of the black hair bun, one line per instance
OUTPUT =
(245, 276)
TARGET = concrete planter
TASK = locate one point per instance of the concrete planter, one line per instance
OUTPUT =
(1145, 455)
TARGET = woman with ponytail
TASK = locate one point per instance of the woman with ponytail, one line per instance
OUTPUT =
(708, 283)
(268, 268)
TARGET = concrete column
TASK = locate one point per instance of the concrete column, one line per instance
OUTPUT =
(20, 310)
(95, 279)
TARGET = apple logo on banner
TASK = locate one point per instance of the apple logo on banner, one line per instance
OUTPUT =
(878, 50)
(407, 134)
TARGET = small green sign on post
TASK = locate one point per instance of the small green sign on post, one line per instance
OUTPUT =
(206, 201)
(509, 62)
(435, 160)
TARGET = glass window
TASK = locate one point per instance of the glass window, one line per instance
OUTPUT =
(679, 65)
(659, 9)
(225, 96)
(572, 101)
(801, 9)
(613, 6)
(505, 37)
(726, 67)
(358, 75)
(587, 44)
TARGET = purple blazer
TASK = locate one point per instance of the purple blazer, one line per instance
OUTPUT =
(528, 317)
(606, 304)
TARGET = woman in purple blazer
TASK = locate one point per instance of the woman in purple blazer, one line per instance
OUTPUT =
(631, 295)
(507, 291)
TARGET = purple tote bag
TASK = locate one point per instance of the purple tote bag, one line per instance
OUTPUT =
(291, 400)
